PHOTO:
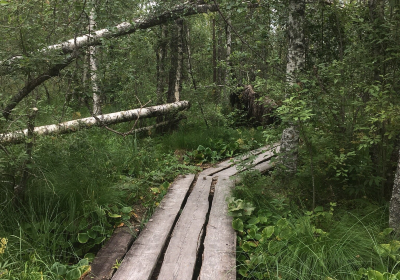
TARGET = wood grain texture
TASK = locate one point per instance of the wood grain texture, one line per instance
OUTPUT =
(228, 163)
(219, 257)
(180, 257)
(268, 153)
(142, 257)
(115, 248)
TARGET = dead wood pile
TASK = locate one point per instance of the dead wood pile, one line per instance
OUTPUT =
(260, 109)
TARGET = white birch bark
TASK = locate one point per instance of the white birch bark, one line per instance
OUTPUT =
(295, 63)
(178, 76)
(108, 119)
(124, 28)
(93, 68)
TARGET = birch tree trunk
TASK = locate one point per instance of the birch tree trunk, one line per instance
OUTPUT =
(161, 54)
(93, 68)
(394, 208)
(108, 119)
(175, 72)
(228, 55)
(295, 63)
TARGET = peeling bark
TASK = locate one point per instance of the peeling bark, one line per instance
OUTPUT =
(93, 69)
(108, 119)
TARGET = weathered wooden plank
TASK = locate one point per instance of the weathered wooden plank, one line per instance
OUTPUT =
(142, 257)
(263, 166)
(259, 158)
(227, 163)
(219, 257)
(114, 250)
(180, 257)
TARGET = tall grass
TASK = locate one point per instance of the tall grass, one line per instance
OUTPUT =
(76, 181)
(330, 244)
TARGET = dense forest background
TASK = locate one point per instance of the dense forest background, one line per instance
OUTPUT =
(61, 196)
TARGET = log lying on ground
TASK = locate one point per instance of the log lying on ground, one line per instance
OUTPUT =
(108, 119)
(121, 29)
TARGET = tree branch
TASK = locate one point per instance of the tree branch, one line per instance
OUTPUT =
(124, 28)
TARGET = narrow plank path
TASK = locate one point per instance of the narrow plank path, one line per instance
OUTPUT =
(146, 250)
(189, 236)
(219, 258)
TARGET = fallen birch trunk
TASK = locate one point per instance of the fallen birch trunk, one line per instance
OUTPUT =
(124, 28)
(16, 137)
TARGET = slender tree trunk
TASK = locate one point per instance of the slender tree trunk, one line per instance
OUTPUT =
(214, 58)
(394, 208)
(175, 72)
(93, 68)
(19, 190)
(161, 53)
(178, 76)
(190, 72)
(295, 63)
(228, 55)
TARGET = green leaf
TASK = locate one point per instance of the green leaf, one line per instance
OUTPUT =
(254, 221)
(282, 223)
(263, 219)
(111, 215)
(375, 275)
(268, 231)
(73, 274)
(58, 268)
(83, 262)
(97, 228)
(237, 225)
(92, 234)
(319, 209)
(90, 256)
(3, 3)
(99, 240)
(83, 237)
(126, 210)
(387, 231)
(275, 246)
(247, 246)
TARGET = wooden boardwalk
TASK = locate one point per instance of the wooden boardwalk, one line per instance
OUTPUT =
(190, 234)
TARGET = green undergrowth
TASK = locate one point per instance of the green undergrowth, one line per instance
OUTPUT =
(84, 185)
(279, 240)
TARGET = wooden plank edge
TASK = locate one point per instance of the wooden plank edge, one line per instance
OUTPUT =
(181, 255)
(114, 250)
(219, 257)
(264, 156)
(232, 161)
(152, 234)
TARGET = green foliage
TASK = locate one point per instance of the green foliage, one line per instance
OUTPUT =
(346, 240)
